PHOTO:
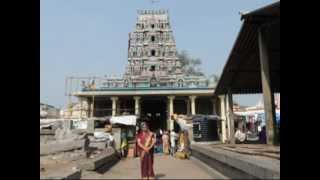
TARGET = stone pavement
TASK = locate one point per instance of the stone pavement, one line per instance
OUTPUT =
(166, 167)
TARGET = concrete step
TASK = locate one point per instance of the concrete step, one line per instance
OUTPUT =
(105, 158)
(212, 172)
(235, 165)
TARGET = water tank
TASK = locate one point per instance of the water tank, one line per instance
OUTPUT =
(205, 128)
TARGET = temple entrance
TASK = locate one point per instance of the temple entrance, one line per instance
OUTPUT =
(156, 110)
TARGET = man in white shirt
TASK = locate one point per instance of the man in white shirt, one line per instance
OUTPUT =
(172, 142)
(240, 136)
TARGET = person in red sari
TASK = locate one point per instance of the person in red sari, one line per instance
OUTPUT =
(146, 141)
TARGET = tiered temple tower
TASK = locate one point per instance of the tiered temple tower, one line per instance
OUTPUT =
(152, 53)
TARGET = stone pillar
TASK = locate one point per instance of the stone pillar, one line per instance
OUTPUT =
(118, 108)
(81, 106)
(170, 121)
(193, 104)
(268, 97)
(137, 105)
(114, 105)
(223, 118)
(231, 120)
(188, 106)
(213, 100)
(92, 107)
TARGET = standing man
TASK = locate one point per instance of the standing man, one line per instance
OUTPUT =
(146, 141)
(173, 142)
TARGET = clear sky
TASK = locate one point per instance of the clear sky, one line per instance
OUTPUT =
(90, 37)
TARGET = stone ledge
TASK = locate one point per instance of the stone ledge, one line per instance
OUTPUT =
(236, 165)
(61, 146)
(103, 159)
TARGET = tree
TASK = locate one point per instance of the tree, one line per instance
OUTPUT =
(190, 65)
(214, 77)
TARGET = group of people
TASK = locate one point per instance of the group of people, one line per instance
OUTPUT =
(242, 136)
(166, 142)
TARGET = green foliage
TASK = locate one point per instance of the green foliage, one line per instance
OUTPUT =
(214, 77)
(190, 65)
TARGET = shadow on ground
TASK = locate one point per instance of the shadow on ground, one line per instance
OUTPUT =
(107, 166)
(160, 175)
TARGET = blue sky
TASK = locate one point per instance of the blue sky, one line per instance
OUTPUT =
(90, 37)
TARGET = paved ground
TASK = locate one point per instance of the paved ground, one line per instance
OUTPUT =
(165, 167)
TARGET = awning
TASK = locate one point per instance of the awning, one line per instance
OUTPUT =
(130, 120)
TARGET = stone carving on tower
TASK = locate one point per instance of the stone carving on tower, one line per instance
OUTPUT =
(152, 53)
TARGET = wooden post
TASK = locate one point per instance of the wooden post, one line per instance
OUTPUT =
(268, 97)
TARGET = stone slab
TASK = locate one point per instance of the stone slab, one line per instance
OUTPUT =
(61, 146)
(108, 157)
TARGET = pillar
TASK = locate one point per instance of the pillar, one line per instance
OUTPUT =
(213, 100)
(92, 107)
(170, 121)
(193, 104)
(268, 97)
(114, 105)
(223, 119)
(81, 106)
(226, 113)
(137, 105)
(118, 107)
(231, 120)
(188, 106)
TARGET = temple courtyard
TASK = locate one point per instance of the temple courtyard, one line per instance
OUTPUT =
(166, 167)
